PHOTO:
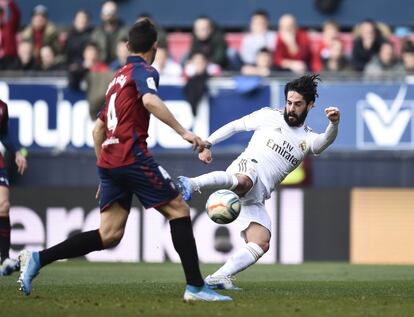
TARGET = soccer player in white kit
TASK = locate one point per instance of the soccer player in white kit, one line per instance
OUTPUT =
(279, 144)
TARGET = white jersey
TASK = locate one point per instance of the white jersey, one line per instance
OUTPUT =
(276, 147)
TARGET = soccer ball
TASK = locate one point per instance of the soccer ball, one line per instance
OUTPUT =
(223, 206)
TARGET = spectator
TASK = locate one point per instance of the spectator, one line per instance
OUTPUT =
(25, 57)
(263, 65)
(407, 53)
(197, 63)
(336, 61)
(330, 36)
(197, 71)
(366, 44)
(41, 32)
(258, 37)
(121, 56)
(385, 64)
(91, 62)
(79, 35)
(111, 31)
(97, 77)
(165, 65)
(209, 40)
(9, 24)
(49, 61)
(293, 51)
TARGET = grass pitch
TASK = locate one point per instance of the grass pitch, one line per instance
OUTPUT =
(78, 288)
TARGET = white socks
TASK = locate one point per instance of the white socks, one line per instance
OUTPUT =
(241, 260)
(217, 179)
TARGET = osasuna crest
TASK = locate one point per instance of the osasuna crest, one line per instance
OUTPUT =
(303, 146)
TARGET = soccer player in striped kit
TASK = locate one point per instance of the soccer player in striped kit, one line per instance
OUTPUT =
(8, 266)
(126, 167)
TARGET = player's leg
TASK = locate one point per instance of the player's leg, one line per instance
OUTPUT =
(115, 203)
(8, 265)
(112, 223)
(239, 177)
(257, 238)
(154, 188)
(178, 214)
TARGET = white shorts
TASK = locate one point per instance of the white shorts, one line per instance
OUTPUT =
(253, 208)
(253, 213)
(258, 193)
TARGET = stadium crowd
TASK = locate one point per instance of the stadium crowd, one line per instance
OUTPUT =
(370, 49)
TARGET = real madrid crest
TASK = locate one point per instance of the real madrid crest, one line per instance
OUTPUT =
(303, 146)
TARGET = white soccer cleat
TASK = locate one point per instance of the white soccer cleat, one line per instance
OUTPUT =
(221, 282)
(203, 293)
(9, 266)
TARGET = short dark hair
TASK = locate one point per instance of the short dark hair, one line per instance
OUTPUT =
(142, 36)
(407, 46)
(262, 13)
(306, 85)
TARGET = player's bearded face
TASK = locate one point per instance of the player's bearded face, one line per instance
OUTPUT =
(296, 109)
(294, 120)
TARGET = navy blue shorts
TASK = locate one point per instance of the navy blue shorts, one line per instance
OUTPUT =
(4, 178)
(146, 179)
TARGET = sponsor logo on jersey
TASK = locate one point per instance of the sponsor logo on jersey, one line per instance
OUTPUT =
(284, 151)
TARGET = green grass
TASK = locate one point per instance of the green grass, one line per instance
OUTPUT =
(78, 288)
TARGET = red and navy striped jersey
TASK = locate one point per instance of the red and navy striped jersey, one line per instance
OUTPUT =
(124, 114)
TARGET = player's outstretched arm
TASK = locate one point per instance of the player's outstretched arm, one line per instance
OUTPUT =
(157, 107)
(219, 135)
(323, 140)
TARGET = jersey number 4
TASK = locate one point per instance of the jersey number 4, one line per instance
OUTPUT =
(111, 118)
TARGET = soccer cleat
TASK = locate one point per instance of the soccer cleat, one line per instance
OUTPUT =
(9, 266)
(184, 187)
(29, 268)
(221, 282)
(203, 293)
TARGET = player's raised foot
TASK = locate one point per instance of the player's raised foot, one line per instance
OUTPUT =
(9, 266)
(29, 268)
(203, 293)
(221, 282)
(184, 187)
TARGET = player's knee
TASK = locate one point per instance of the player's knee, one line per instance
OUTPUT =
(4, 207)
(264, 246)
(111, 237)
(177, 208)
(245, 184)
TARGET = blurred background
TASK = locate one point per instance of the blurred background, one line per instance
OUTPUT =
(218, 61)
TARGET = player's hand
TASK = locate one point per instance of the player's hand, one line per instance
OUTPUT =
(205, 156)
(333, 114)
(98, 192)
(196, 141)
(20, 162)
